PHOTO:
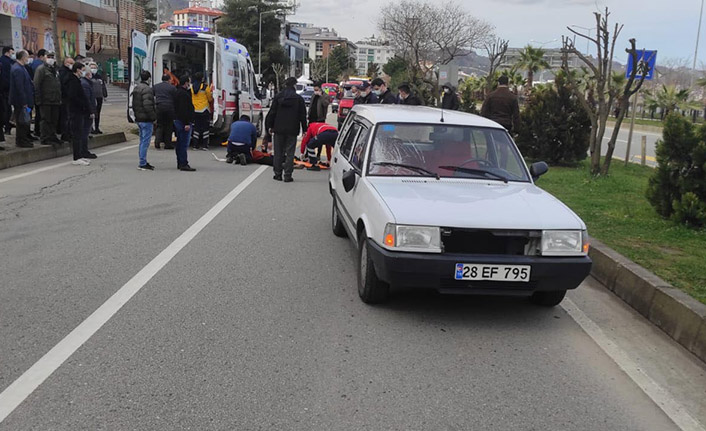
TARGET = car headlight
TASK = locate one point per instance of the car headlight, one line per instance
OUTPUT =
(564, 243)
(425, 239)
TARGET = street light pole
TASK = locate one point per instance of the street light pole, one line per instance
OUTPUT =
(696, 50)
(259, 50)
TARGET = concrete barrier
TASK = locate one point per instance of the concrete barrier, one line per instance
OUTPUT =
(680, 316)
(20, 156)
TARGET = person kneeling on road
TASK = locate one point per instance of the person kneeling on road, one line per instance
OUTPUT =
(241, 141)
(318, 135)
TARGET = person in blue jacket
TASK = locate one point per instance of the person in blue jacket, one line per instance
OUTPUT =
(241, 141)
(21, 97)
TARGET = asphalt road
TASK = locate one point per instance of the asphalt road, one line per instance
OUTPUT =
(621, 144)
(255, 324)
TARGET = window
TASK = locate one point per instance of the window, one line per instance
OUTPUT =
(448, 151)
(362, 51)
(319, 46)
(349, 139)
(371, 52)
(244, 79)
(358, 157)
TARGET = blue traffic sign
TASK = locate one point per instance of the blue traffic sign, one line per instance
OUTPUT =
(646, 61)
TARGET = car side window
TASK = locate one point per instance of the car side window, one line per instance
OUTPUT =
(358, 157)
(349, 139)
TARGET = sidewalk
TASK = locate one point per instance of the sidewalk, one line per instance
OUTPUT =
(114, 125)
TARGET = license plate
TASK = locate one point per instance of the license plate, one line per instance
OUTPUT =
(519, 273)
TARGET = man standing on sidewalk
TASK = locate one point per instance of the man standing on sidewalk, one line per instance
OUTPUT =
(65, 76)
(287, 116)
(6, 62)
(502, 106)
(78, 110)
(145, 115)
(22, 99)
(164, 94)
(184, 118)
(47, 95)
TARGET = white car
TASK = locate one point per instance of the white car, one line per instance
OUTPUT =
(445, 201)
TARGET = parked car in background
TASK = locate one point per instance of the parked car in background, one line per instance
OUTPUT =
(334, 103)
(307, 95)
(446, 201)
(345, 104)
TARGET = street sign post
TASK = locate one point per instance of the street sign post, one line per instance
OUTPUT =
(646, 61)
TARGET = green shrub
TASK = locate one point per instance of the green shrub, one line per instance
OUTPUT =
(677, 189)
(554, 126)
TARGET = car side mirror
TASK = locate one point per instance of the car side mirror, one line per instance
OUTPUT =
(538, 169)
(349, 178)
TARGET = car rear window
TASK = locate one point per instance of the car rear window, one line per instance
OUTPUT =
(447, 151)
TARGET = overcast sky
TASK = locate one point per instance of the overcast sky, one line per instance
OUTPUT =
(669, 26)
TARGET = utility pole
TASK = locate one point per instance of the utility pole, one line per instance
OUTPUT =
(696, 50)
(117, 10)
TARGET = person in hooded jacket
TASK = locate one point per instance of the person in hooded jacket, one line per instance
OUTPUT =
(287, 117)
(450, 99)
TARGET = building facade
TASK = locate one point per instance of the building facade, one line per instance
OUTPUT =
(321, 41)
(198, 14)
(374, 51)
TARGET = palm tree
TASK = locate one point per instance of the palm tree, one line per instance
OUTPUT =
(669, 98)
(514, 77)
(532, 60)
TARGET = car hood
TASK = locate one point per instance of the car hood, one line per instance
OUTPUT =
(470, 203)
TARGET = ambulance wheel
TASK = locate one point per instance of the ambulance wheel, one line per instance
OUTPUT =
(336, 223)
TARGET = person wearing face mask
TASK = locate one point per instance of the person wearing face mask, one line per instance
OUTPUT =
(7, 60)
(79, 112)
(183, 119)
(383, 93)
(99, 92)
(319, 106)
(367, 95)
(47, 95)
(450, 99)
(33, 66)
(22, 99)
(406, 95)
(87, 85)
(145, 109)
(355, 91)
(65, 73)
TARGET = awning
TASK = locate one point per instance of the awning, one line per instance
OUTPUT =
(81, 11)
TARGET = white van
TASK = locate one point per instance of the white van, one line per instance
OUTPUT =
(225, 63)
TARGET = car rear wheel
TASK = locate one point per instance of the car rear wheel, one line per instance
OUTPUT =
(336, 223)
(371, 289)
(548, 299)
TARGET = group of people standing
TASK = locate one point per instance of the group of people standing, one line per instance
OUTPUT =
(178, 107)
(66, 101)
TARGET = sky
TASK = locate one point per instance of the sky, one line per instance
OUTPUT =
(668, 26)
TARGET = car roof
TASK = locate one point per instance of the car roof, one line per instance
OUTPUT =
(420, 114)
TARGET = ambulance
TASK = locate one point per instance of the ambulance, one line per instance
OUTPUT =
(225, 63)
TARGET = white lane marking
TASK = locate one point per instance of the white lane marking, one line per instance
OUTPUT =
(671, 407)
(58, 165)
(21, 388)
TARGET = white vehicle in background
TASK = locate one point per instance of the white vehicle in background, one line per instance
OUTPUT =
(225, 63)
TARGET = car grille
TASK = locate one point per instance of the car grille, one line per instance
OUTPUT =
(501, 242)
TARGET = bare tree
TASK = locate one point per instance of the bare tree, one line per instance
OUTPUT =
(53, 11)
(427, 35)
(496, 51)
(601, 90)
(278, 69)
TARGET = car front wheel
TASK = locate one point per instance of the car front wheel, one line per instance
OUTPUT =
(371, 289)
(336, 223)
(548, 299)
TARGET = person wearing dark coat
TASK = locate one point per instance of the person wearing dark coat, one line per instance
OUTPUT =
(288, 118)
(367, 97)
(502, 106)
(384, 94)
(79, 111)
(145, 109)
(407, 97)
(164, 93)
(318, 108)
(7, 60)
(65, 74)
(100, 92)
(450, 99)
(33, 66)
(47, 95)
(184, 115)
(87, 85)
(21, 97)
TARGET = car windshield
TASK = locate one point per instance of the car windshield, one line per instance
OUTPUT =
(445, 151)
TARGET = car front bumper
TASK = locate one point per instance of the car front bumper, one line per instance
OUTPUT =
(436, 271)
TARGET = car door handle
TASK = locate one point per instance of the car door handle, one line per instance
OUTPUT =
(335, 159)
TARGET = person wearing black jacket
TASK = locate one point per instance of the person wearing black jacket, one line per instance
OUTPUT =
(406, 96)
(383, 93)
(164, 93)
(367, 97)
(65, 73)
(450, 99)
(7, 60)
(288, 115)
(184, 119)
(79, 111)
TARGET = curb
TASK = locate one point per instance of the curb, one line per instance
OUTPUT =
(682, 317)
(21, 156)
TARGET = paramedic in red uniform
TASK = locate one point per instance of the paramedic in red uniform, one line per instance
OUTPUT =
(318, 135)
